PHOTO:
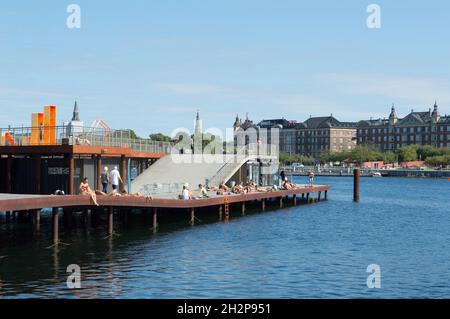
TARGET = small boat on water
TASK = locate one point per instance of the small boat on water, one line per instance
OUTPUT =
(376, 174)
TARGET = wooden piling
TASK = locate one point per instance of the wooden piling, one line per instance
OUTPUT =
(281, 202)
(55, 225)
(111, 220)
(307, 197)
(155, 219)
(243, 208)
(320, 194)
(192, 216)
(326, 195)
(294, 199)
(356, 190)
(263, 204)
(220, 212)
(37, 219)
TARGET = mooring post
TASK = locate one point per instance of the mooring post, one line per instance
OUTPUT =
(55, 225)
(192, 216)
(155, 219)
(111, 220)
(37, 219)
(356, 177)
(294, 197)
(263, 204)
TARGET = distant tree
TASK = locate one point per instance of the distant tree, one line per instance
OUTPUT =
(390, 157)
(407, 154)
(438, 160)
(160, 137)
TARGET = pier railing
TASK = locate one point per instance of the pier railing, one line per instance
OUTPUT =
(246, 152)
(66, 135)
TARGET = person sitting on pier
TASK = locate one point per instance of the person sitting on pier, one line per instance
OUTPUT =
(223, 189)
(203, 191)
(185, 193)
(85, 189)
(238, 188)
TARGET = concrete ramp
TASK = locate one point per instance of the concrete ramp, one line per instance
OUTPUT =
(167, 176)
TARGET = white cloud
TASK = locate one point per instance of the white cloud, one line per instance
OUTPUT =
(417, 91)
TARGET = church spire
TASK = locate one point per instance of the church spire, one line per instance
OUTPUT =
(76, 115)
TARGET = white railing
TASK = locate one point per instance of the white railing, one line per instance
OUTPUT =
(246, 152)
(63, 135)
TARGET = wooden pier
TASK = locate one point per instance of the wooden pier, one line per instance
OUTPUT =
(33, 204)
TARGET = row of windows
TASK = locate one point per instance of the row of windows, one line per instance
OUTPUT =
(326, 133)
(418, 129)
(440, 137)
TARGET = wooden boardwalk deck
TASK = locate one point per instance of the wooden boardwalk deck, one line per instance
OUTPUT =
(13, 202)
(31, 205)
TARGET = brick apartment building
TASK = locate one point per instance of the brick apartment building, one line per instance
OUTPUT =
(312, 137)
(423, 128)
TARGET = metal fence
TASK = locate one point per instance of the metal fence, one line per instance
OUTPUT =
(66, 135)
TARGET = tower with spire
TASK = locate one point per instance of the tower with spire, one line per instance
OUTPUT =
(75, 126)
(393, 119)
(435, 116)
(237, 123)
(198, 135)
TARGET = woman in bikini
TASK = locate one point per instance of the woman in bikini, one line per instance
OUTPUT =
(86, 190)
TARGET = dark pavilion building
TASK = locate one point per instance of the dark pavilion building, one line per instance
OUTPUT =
(422, 128)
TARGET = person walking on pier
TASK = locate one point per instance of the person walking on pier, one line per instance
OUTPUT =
(311, 179)
(105, 180)
(115, 178)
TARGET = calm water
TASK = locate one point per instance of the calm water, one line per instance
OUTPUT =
(319, 250)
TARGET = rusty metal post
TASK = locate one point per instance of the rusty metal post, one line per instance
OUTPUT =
(356, 190)
(123, 172)
(71, 175)
(55, 225)
(99, 172)
(111, 220)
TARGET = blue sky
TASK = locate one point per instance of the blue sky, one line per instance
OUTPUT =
(148, 65)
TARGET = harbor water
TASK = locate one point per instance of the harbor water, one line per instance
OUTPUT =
(320, 250)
